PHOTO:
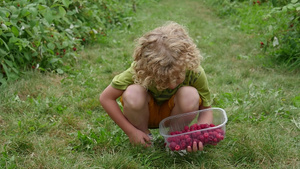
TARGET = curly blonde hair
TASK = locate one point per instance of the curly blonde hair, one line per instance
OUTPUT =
(163, 55)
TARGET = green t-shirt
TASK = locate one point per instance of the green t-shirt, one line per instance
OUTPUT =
(197, 80)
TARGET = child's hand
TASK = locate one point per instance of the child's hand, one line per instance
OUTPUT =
(195, 147)
(140, 137)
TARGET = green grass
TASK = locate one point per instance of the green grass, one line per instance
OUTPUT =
(55, 121)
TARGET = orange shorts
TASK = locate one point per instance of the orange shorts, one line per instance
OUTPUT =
(159, 112)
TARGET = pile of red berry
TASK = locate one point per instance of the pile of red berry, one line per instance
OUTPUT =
(181, 141)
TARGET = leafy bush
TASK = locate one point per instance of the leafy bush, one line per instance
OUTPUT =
(45, 35)
(277, 29)
(286, 41)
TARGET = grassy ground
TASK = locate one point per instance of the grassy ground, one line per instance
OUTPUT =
(56, 121)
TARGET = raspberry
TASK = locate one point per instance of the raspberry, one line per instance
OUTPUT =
(194, 135)
(220, 131)
(178, 132)
(187, 136)
(177, 147)
(182, 137)
(177, 140)
(172, 146)
(201, 138)
(189, 144)
(194, 127)
(186, 128)
(210, 139)
(204, 126)
(170, 139)
(183, 144)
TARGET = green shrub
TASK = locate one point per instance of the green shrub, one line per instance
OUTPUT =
(276, 29)
(285, 46)
(46, 35)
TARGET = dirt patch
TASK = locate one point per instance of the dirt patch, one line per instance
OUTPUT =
(35, 88)
(2, 122)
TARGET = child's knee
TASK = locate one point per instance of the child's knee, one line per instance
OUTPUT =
(134, 97)
(188, 97)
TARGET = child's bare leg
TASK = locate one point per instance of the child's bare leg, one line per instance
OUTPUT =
(135, 99)
(186, 100)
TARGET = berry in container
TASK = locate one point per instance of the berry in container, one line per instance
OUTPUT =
(180, 131)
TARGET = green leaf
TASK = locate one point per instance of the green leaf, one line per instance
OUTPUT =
(290, 6)
(59, 71)
(62, 12)
(5, 68)
(298, 8)
(29, 32)
(13, 40)
(66, 3)
(27, 57)
(53, 60)
(2, 80)
(48, 15)
(4, 27)
(4, 44)
(51, 46)
(9, 63)
(65, 44)
(294, 1)
(15, 31)
(284, 9)
(4, 12)
(3, 52)
(9, 73)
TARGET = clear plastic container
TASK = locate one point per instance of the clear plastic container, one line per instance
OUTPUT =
(182, 130)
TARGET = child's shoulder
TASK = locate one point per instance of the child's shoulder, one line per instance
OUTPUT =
(199, 71)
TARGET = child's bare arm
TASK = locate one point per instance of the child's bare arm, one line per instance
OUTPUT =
(206, 116)
(108, 101)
